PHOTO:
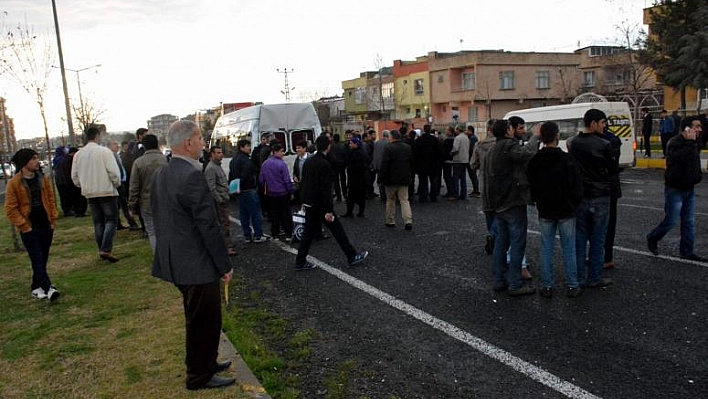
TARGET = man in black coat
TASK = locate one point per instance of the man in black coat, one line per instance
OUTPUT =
(397, 167)
(428, 155)
(683, 172)
(191, 252)
(316, 191)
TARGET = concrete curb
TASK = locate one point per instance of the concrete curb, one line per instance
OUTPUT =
(649, 163)
(243, 375)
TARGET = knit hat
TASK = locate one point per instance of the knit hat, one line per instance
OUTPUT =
(357, 141)
(22, 158)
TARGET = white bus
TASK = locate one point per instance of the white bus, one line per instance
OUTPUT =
(291, 123)
(569, 118)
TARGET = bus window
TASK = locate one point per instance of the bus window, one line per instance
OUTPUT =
(280, 136)
(299, 136)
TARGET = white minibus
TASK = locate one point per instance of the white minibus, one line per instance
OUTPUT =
(569, 118)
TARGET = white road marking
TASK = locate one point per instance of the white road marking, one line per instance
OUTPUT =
(647, 253)
(534, 372)
(655, 209)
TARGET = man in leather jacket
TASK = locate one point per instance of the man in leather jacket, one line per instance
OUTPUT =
(594, 156)
(683, 172)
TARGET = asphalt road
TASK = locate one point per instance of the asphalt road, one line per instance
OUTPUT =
(418, 319)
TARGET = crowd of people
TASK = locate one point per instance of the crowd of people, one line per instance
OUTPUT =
(182, 205)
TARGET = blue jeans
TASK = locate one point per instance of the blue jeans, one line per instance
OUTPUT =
(591, 221)
(37, 243)
(250, 213)
(104, 211)
(459, 180)
(677, 203)
(566, 229)
(511, 235)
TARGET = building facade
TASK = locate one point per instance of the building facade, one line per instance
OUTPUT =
(159, 125)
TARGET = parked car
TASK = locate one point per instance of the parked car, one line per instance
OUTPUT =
(7, 170)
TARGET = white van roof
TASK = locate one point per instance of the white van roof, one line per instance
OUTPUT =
(557, 112)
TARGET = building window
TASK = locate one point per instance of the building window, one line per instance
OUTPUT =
(417, 113)
(441, 78)
(360, 95)
(418, 87)
(589, 78)
(506, 80)
(468, 81)
(472, 115)
(387, 91)
(543, 80)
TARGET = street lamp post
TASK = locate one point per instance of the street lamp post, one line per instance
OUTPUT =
(81, 99)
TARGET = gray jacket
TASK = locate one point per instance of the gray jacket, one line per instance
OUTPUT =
(217, 181)
(190, 248)
(141, 176)
(506, 170)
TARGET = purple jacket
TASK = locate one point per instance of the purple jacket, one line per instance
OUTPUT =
(276, 177)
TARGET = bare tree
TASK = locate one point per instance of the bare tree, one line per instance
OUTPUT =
(86, 112)
(640, 78)
(27, 60)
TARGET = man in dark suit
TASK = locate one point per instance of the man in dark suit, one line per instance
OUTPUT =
(191, 252)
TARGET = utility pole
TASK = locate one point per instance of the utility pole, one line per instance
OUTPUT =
(287, 89)
(69, 123)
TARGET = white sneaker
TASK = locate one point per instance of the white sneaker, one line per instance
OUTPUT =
(39, 293)
(53, 294)
(260, 239)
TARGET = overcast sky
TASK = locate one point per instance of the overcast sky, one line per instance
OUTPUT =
(180, 56)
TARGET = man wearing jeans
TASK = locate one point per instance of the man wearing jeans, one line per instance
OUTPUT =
(96, 172)
(557, 189)
(508, 196)
(683, 172)
(594, 156)
(249, 205)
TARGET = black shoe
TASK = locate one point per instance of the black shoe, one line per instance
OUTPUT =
(360, 215)
(572, 292)
(693, 257)
(223, 366)
(121, 227)
(347, 215)
(306, 266)
(215, 382)
(390, 225)
(500, 287)
(108, 256)
(547, 292)
(653, 246)
(409, 226)
(489, 244)
(134, 228)
(601, 283)
(358, 258)
(523, 290)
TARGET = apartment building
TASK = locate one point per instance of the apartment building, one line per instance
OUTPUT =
(471, 86)
(159, 125)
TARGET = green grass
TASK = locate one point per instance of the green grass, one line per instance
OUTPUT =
(116, 332)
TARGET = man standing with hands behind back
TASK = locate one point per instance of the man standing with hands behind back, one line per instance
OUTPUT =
(191, 252)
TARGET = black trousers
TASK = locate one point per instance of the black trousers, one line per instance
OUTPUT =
(281, 216)
(611, 227)
(313, 225)
(65, 195)
(356, 196)
(202, 314)
(647, 144)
